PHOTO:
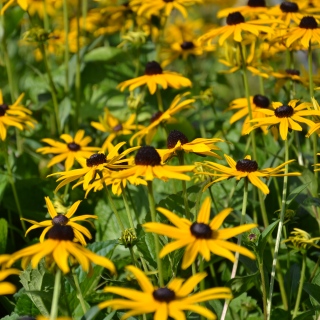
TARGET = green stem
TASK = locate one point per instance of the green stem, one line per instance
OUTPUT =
(45, 17)
(133, 206)
(79, 293)
(184, 186)
(302, 275)
(78, 71)
(66, 44)
(156, 237)
(159, 99)
(242, 220)
(56, 294)
(263, 287)
(126, 204)
(134, 261)
(280, 226)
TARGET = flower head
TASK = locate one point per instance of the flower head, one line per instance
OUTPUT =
(301, 240)
(165, 302)
(7, 287)
(200, 237)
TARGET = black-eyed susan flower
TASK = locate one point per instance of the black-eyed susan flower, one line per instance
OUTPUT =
(63, 220)
(116, 128)
(169, 301)
(200, 237)
(301, 240)
(236, 24)
(73, 149)
(177, 141)
(5, 286)
(245, 168)
(33, 6)
(176, 105)
(14, 115)
(293, 75)
(154, 76)
(94, 166)
(316, 126)
(287, 116)
(148, 165)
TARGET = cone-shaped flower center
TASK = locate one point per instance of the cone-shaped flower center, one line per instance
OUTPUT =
(284, 112)
(175, 136)
(117, 128)
(168, 0)
(164, 294)
(74, 146)
(201, 230)
(293, 72)
(3, 108)
(235, 18)
(261, 101)
(147, 156)
(96, 159)
(60, 219)
(187, 45)
(246, 165)
(156, 116)
(58, 232)
(288, 6)
(256, 3)
(308, 23)
(152, 68)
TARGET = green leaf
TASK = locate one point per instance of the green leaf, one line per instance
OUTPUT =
(103, 54)
(311, 201)
(295, 193)
(306, 315)
(146, 246)
(91, 314)
(261, 244)
(313, 291)
(3, 183)
(64, 110)
(3, 235)
(292, 280)
(240, 285)
(13, 316)
(26, 306)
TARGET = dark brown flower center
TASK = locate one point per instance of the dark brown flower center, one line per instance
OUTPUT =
(284, 112)
(201, 230)
(288, 6)
(60, 220)
(152, 68)
(308, 22)
(187, 45)
(3, 108)
(292, 72)
(117, 128)
(96, 159)
(235, 18)
(164, 294)
(74, 146)
(246, 165)
(175, 136)
(58, 232)
(147, 156)
(256, 3)
(156, 116)
(261, 101)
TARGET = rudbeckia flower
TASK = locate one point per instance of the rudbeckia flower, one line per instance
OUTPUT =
(115, 127)
(245, 168)
(176, 105)
(14, 115)
(7, 287)
(73, 149)
(177, 141)
(33, 7)
(63, 220)
(301, 240)
(236, 24)
(200, 237)
(154, 75)
(148, 165)
(164, 302)
(287, 116)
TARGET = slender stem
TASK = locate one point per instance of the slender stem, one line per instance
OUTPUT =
(66, 45)
(242, 220)
(78, 71)
(126, 204)
(159, 99)
(315, 269)
(56, 294)
(263, 287)
(132, 256)
(278, 239)
(45, 16)
(302, 275)
(184, 187)
(133, 205)
(79, 292)
(156, 237)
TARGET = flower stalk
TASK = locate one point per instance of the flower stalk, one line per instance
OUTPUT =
(56, 294)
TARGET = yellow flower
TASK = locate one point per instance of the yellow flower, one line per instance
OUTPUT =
(73, 149)
(287, 116)
(176, 105)
(7, 287)
(115, 127)
(60, 249)
(245, 168)
(301, 239)
(165, 302)
(63, 220)
(236, 24)
(316, 126)
(14, 115)
(153, 76)
(200, 237)
(148, 165)
(177, 141)
(33, 6)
